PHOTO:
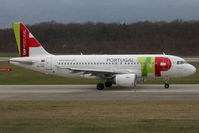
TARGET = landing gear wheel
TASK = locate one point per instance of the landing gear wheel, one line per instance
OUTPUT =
(100, 86)
(166, 85)
(108, 84)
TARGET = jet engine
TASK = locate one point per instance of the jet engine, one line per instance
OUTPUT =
(126, 80)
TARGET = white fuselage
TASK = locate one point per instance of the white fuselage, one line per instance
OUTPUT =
(63, 65)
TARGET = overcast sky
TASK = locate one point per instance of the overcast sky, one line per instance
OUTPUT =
(65, 11)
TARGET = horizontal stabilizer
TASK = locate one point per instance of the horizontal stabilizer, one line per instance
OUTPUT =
(21, 60)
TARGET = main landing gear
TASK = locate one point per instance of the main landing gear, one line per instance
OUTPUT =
(166, 84)
(108, 84)
(101, 86)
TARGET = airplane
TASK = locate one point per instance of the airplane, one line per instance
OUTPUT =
(122, 70)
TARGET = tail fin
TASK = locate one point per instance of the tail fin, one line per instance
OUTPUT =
(26, 42)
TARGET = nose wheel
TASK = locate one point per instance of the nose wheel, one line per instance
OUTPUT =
(166, 84)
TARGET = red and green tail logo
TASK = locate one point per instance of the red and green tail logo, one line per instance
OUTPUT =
(24, 39)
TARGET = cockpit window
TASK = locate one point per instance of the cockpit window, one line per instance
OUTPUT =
(181, 62)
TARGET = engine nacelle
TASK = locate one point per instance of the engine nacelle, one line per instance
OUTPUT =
(125, 80)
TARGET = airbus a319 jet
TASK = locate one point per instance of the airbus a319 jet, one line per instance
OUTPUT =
(122, 70)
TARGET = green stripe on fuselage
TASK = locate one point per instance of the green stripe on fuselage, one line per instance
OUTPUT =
(16, 28)
(147, 65)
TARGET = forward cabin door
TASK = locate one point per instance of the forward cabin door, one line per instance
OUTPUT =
(167, 64)
(162, 64)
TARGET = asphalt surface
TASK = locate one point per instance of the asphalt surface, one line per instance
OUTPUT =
(89, 93)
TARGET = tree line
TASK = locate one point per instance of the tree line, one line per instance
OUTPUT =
(176, 37)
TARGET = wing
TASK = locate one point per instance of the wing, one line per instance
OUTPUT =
(98, 72)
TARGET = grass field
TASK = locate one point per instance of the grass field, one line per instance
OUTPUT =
(9, 54)
(24, 76)
(99, 117)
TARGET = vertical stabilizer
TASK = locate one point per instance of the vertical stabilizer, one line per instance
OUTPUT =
(27, 44)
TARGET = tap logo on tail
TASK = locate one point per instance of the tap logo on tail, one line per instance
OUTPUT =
(24, 39)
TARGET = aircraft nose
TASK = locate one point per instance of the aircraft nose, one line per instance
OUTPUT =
(192, 69)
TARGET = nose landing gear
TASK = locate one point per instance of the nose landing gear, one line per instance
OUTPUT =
(166, 84)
